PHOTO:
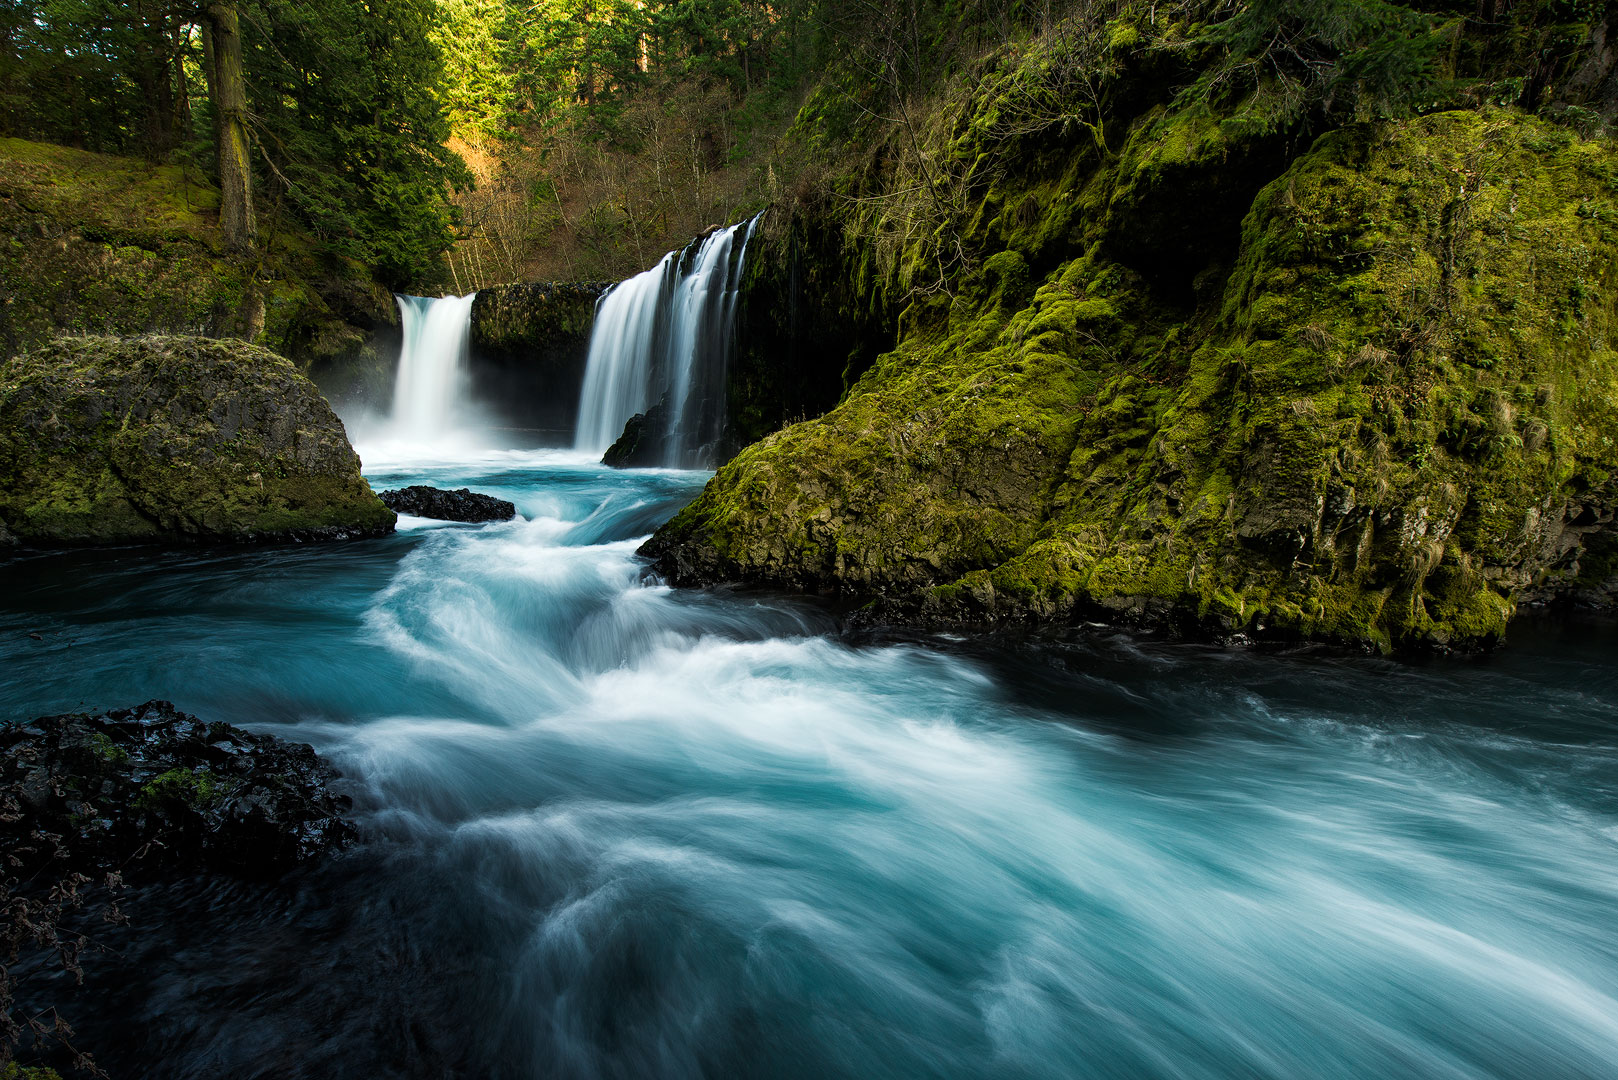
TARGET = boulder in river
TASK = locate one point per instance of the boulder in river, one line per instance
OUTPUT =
(110, 440)
(462, 504)
(93, 792)
(642, 442)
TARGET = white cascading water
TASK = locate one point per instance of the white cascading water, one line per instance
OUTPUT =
(429, 394)
(617, 378)
(664, 336)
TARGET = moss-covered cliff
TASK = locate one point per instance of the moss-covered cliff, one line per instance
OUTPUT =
(96, 244)
(1385, 414)
(104, 440)
(530, 344)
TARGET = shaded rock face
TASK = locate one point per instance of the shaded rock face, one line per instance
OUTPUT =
(1386, 422)
(106, 440)
(529, 348)
(463, 504)
(153, 784)
(641, 444)
(809, 322)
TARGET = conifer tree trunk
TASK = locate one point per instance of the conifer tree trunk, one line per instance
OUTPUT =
(227, 85)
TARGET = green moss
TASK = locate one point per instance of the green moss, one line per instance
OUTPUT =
(1374, 425)
(96, 244)
(107, 750)
(13, 1071)
(194, 789)
(104, 440)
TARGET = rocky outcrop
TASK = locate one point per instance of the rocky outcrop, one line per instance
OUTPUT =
(529, 347)
(1383, 417)
(641, 445)
(463, 504)
(162, 439)
(153, 786)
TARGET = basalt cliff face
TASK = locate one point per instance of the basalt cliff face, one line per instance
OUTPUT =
(1363, 390)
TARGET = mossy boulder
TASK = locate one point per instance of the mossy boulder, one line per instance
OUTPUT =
(163, 439)
(1391, 423)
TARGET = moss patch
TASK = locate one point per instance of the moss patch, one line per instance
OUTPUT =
(96, 244)
(1388, 422)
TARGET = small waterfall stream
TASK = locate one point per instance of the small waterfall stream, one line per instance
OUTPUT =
(430, 388)
(663, 338)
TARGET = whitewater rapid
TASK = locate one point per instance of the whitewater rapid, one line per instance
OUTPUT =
(620, 830)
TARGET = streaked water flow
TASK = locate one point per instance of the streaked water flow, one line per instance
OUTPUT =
(663, 338)
(622, 831)
(430, 383)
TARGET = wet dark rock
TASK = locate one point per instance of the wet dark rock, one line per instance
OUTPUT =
(530, 344)
(462, 504)
(153, 786)
(642, 442)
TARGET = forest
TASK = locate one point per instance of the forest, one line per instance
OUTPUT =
(465, 142)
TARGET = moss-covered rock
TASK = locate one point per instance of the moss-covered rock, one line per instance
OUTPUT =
(106, 440)
(96, 244)
(1391, 423)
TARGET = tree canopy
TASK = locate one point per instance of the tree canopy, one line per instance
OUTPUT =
(342, 112)
(352, 105)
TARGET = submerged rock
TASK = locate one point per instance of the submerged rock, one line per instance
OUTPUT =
(462, 504)
(109, 440)
(1383, 417)
(92, 792)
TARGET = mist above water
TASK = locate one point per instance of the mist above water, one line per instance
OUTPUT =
(434, 413)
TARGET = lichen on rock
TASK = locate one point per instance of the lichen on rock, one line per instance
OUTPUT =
(164, 439)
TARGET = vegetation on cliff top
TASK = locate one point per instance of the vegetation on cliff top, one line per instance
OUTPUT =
(96, 244)
(327, 108)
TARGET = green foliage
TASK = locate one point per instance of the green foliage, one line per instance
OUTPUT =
(100, 74)
(1357, 58)
(345, 115)
(13, 1071)
(192, 788)
(349, 125)
(479, 85)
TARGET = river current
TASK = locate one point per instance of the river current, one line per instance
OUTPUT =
(617, 830)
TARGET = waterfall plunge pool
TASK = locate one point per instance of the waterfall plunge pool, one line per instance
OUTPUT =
(622, 831)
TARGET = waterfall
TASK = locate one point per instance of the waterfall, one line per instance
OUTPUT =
(663, 338)
(429, 394)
